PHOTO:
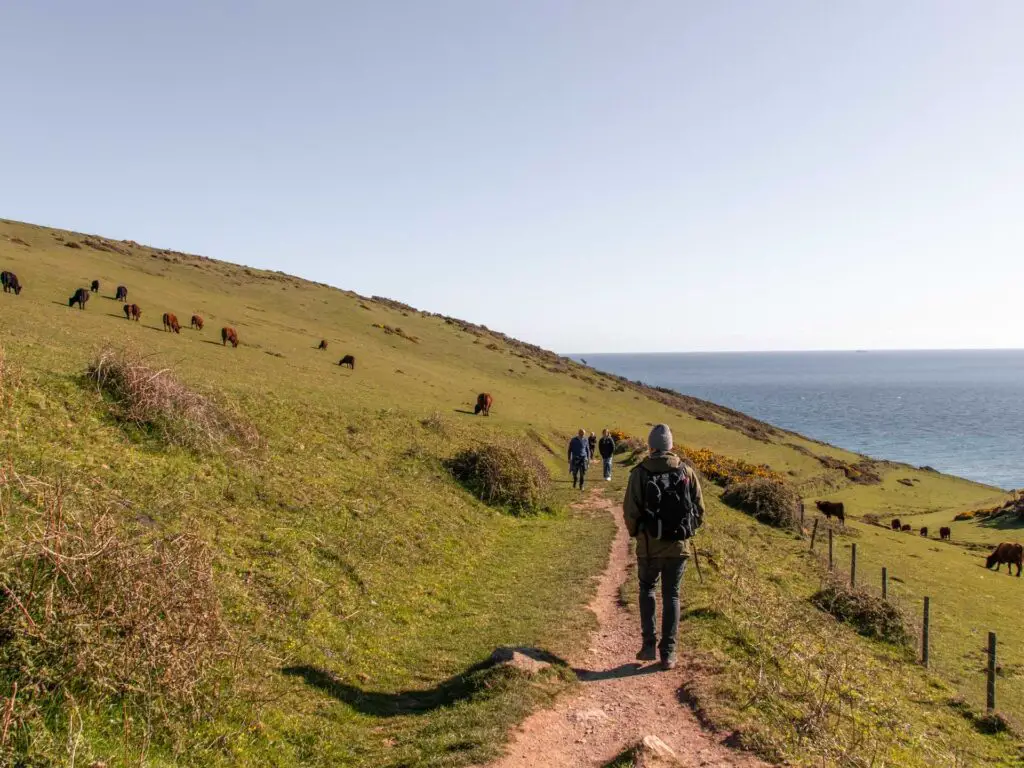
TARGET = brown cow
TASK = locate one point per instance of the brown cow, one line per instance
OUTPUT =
(81, 296)
(348, 360)
(906, 528)
(896, 524)
(197, 322)
(945, 533)
(322, 344)
(228, 334)
(95, 287)
(829, 508)
(483, 403)
(171, 322)
(122, 294)
(9, 280)
(132, 312)
(1011, 554)
(924, 531)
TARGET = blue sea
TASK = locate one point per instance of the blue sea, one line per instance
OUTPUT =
(960, 412)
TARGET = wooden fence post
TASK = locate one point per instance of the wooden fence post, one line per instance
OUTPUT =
(830, 560)
(990, 697)
(814, 533)
(801, 514)
(924, 631)
(885, 583)
(853, 565)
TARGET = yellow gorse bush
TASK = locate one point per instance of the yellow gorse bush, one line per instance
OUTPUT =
(723, 470)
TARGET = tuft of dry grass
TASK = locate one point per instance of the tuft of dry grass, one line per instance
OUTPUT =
(865, 611)
(769, 500)
(505, 474)
(89, 610)
(157, 402)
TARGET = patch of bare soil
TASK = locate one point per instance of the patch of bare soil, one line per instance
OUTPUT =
(620, 700)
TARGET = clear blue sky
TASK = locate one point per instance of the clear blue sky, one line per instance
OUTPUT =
(590, 176)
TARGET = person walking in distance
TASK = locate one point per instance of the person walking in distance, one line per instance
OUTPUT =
(663, 509)
(579, 458)
(592, 444)
(606, 446)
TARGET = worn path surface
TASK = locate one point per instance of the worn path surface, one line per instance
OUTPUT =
(620, 700)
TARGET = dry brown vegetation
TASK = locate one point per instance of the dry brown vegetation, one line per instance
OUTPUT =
(392, 331)
(157, 402)
(864, 610)
(769, 500)
(507, 474)
(87, 608)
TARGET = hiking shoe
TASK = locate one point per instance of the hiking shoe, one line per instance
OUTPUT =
(648, 653)
(669, 662)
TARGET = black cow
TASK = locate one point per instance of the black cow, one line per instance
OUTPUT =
(95, 287)
(122, 293)
(80, 297)
(830, 508)
(9, 280)
(348, 360)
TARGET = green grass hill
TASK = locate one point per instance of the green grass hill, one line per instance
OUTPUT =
(213, 556)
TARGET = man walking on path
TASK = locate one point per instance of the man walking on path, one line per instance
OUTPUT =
(663, 509)
(592, 444)
(579, 458)
(606, 445)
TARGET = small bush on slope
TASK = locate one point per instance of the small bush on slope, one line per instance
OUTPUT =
(771, 501)
(865, 611)
(506, 474)
(157, 402)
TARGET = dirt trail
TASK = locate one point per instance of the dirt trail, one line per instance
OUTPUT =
(620, 700)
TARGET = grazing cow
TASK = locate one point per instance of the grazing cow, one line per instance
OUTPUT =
(171, 322)
(924, 531)
(122, 293)
(1011, 554)
(132, 312)
(348, 360)
(483, 403)
(830, 508)
(95, 287)
(905, 528)
(322, 344)
(81, 296)
(896, 524)
(9, 280)
(945, 533)
(197, 322)
(229, 334)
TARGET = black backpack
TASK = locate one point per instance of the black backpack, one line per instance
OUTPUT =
(669, 513)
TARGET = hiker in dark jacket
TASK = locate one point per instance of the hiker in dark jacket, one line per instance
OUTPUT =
(592, 444)
(606, 446)
(579, 458)
(658, 558)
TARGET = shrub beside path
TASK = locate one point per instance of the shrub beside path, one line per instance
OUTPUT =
(619, 701)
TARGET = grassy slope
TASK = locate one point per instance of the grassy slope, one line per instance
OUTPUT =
(351, 551)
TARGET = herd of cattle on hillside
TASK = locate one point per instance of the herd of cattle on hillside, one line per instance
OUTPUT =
(1011, 554)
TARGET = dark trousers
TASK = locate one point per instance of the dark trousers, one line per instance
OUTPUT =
(670, 571)
(579, 472)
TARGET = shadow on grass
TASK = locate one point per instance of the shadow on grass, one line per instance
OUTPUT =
(478, 679)
(1003, 523)
(462, 410)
